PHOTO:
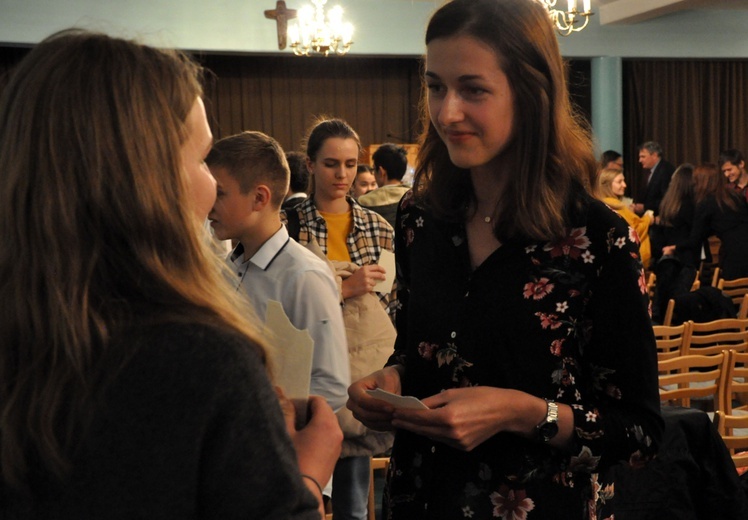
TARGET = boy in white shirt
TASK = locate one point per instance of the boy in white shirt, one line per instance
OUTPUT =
(252, 179)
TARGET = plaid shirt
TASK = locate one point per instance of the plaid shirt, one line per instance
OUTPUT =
(370, 234)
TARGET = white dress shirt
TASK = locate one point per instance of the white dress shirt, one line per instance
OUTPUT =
(284, 271)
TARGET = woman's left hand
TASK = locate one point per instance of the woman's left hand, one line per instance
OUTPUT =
(463, 418)
(363, 280)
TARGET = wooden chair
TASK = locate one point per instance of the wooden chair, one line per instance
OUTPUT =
(667, 320)
(708, 273)
(743, 310)
(377, 464)
(712, 337)
(734, 432)
(651, 282)
(735, 383)
(670, 309)
(670, 339)
(692, 376)
(735, 289)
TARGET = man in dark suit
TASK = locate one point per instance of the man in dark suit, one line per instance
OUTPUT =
(658, 173)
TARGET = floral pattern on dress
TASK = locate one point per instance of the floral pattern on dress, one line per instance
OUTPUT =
(559, 280)
(510, 504)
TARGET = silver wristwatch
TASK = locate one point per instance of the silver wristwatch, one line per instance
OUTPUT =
(548, 428)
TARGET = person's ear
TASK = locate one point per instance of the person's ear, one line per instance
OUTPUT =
(261, 197)
(309, 166)
(380, 175)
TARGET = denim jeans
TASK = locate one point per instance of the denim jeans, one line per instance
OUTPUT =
(350, 488)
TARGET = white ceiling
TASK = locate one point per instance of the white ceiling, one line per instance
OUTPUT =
(634, 11)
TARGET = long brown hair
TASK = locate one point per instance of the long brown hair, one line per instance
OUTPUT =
(709, 182)
(98, 230)
(679, 191)
(551, 149)
(322, 129)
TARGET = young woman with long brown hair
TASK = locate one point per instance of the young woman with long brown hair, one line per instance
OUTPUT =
(133, 385)
(720, 211)
(352, 238)
(524, 324)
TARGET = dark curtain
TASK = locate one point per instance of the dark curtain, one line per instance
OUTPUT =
(693, 108)
(379, 97)
(281, 96)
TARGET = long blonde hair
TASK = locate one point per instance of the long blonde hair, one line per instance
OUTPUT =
(98, 231)
(605, 187)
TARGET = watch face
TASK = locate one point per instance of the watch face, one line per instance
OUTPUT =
(548, 431)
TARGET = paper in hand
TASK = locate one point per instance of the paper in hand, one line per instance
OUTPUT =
(291, 356)
(386, 260)
(397, 401)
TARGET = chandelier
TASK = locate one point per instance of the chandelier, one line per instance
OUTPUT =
(312, 34)
(571, 20)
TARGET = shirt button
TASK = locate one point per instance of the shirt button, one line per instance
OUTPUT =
(238, 274)
(433, 449)
(453, 335)
(426, 505)
(467, 294)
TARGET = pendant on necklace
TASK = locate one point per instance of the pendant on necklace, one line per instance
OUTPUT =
(487, 220)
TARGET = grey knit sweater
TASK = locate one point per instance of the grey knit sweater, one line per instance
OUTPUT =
(189, 428)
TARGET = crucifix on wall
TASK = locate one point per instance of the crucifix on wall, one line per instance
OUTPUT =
(281, 15)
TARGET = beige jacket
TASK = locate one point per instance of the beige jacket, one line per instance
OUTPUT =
(371, 339)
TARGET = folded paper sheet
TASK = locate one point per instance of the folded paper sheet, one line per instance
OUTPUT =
(291, 356)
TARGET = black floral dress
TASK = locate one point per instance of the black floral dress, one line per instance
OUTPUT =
(567, 321)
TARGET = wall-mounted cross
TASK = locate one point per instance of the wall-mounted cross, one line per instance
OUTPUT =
(281, 15)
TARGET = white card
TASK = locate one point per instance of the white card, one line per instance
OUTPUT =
(386, 260)
(398, 401)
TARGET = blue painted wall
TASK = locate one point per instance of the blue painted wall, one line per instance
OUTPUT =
(383, 27)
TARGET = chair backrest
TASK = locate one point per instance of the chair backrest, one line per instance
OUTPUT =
(715, 277)
(743, 310)
(692, 376)
(670, 339)
(734, 432)
(712, 337)
(669, 310)
(735, 289)
(735, 382)
(651, 283)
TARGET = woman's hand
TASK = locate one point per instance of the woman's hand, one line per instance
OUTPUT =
(374, 413)
(668, 250)
(464, 418)
(363, 280)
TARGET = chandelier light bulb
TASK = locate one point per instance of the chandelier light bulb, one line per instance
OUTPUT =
(571, 20)
(318, 33)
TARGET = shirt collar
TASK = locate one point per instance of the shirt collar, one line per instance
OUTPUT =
(270, 249)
